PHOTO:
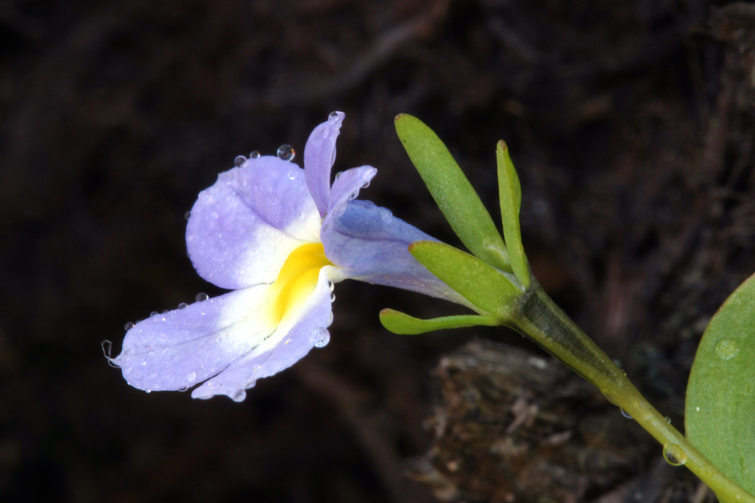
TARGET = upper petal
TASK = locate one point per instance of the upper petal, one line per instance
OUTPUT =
(369, 244)
(346, 187)
(243, 227)
(319, 156)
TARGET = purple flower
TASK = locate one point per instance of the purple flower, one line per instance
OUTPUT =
(279, 237)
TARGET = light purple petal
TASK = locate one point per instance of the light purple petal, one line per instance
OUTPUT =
(181, 348)
(294, 340)
(346, 188)
(319, 156)
(243, 227)
(371, 245)
(229, 340)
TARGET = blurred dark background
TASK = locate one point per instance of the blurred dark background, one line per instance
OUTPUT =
(631, 125)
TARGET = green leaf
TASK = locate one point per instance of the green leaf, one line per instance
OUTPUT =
(400, 323)
(510, 194)
(485, 287)
(720, 408)
(452, 191)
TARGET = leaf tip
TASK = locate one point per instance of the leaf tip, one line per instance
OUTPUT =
(414, 245)
(402, 117)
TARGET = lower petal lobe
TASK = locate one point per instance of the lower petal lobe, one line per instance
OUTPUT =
(297, 333)
(236, 338)
(181, 348)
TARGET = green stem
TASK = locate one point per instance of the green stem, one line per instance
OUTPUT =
(539, 318)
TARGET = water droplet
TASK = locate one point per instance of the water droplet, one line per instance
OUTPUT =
(338, 175)
(187, 215)
(291, 175)
(353, 195)
(201, 297)
(385, 214)
(239, 161)
(191, 377)
(128, 326)
(366, 184)
(254, 154)
(330, 318)
(239, 396)
(148, 390)
(183, 305)
(674, 454)
(668, 419)
(153, 314)
(333, 116)
(625, 413)
(325, 132)
(286, 153)
(332, 297)
(331, 285)
(320, 337)
(727, 349)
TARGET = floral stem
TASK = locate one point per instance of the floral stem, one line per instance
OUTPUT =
(539, 318)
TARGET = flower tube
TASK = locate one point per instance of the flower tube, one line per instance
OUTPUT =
(279, 237)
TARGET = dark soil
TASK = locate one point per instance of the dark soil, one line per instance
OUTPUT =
(632, 127)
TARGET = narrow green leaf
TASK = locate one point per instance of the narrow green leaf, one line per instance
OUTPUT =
(510, 194)
(485, 287)
(401, 323)
(452, 191)
(720, 408)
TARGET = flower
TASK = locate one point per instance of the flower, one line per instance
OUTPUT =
(279, 237)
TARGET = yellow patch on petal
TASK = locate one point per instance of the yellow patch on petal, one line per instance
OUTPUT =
(297, 279)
